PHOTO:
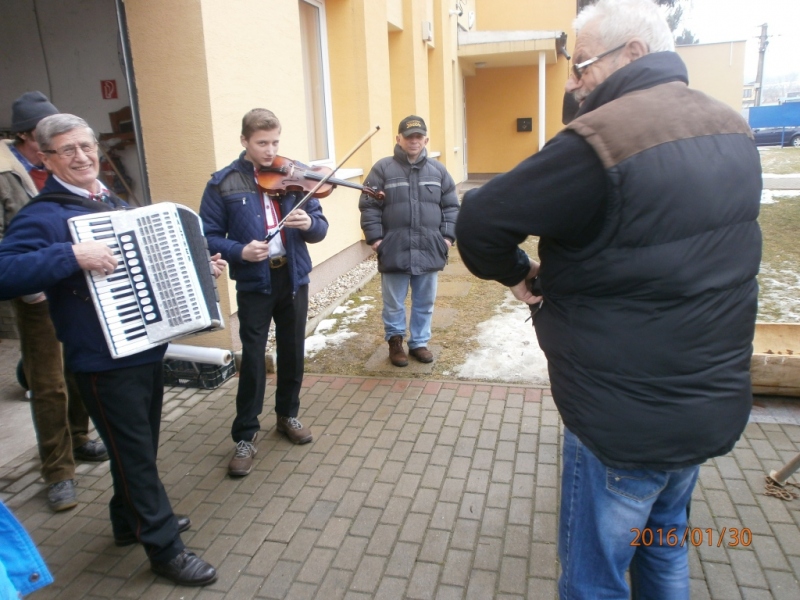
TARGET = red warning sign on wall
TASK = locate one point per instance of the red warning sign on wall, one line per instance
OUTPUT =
(109, 88)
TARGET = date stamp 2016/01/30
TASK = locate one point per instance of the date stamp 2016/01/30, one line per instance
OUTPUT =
(692, 535)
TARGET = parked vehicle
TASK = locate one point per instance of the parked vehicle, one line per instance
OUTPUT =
(777, 136)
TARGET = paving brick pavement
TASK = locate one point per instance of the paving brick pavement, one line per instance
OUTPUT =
(411, 489)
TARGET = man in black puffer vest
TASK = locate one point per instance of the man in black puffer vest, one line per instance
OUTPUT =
(646, 206)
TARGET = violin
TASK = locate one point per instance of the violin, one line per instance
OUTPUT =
(287, 175)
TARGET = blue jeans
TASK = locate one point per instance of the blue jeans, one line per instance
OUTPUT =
(599, 508)
(394, 287)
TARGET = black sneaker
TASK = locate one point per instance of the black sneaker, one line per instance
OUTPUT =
(92, 451)
(61, 495)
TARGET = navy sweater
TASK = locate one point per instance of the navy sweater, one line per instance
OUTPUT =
(36, 254)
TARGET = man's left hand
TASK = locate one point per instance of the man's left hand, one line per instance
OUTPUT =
(218, 264)
(448, 242)
(298, 219)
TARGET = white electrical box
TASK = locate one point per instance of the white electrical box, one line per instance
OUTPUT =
(427, 31)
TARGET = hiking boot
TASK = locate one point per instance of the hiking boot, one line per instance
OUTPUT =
(294, 430)
(185, 569)
(61, 495)
(242, 461)
(422, 354)
(396, 353)
(93, 451)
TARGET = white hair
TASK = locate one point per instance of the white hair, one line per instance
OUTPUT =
(619, 21)
(57, 124)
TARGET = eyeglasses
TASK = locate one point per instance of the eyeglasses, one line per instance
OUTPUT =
(70, 151)
(579, 68)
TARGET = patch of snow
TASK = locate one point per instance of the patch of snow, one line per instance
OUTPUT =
(772, 196)
(318, 341)
(780, 292)
(347, 314)
(506, 348)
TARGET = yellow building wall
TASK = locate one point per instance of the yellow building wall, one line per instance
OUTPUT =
(176, 109)
(496, 97)
(408, 64)
(716, 69)
(513, 15)
(361, 97)
(445, 127)
(201, 64)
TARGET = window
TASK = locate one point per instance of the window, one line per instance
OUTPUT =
(317, 83)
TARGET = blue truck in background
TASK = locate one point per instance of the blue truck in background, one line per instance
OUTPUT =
(777, 125)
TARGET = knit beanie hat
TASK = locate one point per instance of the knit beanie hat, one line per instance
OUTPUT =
(29, 109)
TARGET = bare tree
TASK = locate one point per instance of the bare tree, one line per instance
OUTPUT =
(674, 16)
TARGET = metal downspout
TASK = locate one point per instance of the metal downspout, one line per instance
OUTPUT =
(132, 96)
(542, 90)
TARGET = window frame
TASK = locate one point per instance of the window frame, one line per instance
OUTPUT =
(326, 83)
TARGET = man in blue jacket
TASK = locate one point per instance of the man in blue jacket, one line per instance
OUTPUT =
(271, 280)
(123, 395)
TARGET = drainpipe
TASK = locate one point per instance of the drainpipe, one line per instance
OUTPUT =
(132, 96)
(542, 79)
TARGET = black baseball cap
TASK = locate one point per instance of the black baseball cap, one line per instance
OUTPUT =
(412, 124)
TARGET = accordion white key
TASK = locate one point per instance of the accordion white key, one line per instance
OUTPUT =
(163, 287)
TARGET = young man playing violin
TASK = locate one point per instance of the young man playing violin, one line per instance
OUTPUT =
(271, 279)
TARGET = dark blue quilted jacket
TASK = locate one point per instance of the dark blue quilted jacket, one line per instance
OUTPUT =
(36, 254)
(648, 329)
(232, 214)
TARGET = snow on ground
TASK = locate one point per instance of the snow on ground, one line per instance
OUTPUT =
(347, 314)
(780, 292)
(506, 348)
(773, 196)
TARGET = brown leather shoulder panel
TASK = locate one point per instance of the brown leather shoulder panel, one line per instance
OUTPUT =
(644, 119)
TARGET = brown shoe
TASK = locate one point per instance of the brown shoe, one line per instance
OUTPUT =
(242, 461)
(422, 354)
(396, 353)
(294, 430)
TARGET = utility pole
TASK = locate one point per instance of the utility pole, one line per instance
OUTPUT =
(762, 50)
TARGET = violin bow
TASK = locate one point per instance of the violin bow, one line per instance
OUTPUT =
(321, 182)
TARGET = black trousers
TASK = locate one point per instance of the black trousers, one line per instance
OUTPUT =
(255, 313)
(125, 405)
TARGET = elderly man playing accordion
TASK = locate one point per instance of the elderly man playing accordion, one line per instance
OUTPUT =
(123, 395)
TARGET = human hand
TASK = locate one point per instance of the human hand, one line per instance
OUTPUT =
(529, 291)
(375, 245)
(34, 298)
(522, 290)
(255, 251)
(448, 242)
(218, 265)
(298, 219)
(95, 256)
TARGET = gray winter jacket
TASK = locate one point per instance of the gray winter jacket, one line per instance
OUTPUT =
(418, 213)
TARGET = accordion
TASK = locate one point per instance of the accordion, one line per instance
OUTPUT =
(162, 288)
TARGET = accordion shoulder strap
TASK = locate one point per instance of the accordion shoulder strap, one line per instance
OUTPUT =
(91, 205)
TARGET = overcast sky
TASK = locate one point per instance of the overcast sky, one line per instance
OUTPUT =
(729, 20)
